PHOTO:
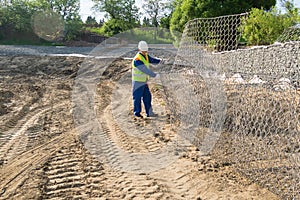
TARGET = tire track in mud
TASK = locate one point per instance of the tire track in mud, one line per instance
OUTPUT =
(111, 140)
(120, 149)
(23, 167)
(133, 135)
(19, 138)
(119, 185)
(17, 121)
(70, 172)
(180, 181)
(15, 141)
(146, 143)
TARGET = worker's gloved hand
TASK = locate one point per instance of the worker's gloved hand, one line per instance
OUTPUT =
(157, 77)
(166, 61)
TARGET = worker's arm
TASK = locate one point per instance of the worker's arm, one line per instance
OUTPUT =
(154, 60)
(140, 65)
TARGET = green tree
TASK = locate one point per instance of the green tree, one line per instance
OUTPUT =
(118, 9)
(146, 22)
(165, 21)
(110, 7)
(15, 20)
(189, 9)
(122, 15)
(4, 3)
(155, 9)
(263, 28)
(73, 28)
(291, 11)
(3, 21)
(91, 21)
(18, 15)
(69, 10)
(113, 27)
(101, 22)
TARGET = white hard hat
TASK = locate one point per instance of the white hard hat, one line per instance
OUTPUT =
(143, 46)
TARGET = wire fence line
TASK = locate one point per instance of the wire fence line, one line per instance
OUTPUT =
(249, 100)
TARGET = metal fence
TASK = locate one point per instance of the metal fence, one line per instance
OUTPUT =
(247, 102)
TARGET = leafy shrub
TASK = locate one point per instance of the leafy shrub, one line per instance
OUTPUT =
(263, 28)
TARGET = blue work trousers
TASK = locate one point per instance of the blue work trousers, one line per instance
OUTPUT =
(141, 92)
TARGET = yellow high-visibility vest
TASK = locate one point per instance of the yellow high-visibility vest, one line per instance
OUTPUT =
(138, 75)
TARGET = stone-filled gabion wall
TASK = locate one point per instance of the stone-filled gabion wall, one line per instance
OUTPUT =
(263, 119)
(246, 101)
(255, 93)
(276, 61)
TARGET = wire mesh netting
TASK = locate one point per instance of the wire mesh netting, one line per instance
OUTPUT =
(246, 101)
(290, 34)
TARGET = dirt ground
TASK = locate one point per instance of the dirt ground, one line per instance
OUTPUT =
(43, 156)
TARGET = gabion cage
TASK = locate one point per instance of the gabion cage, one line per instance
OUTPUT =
(249, 101)
(290, 34)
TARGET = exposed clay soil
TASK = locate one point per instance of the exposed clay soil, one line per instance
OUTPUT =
(42, 156)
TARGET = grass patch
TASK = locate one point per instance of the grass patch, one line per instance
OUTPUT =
(151, 35)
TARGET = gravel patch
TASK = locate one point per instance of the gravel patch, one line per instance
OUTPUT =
(11, 50)
(125, 51)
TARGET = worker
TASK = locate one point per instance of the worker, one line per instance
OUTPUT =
(140, 76)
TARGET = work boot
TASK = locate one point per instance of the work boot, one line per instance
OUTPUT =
(139, 116)
(152, 114)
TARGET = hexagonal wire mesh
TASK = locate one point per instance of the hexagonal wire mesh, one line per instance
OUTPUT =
(290, 34)
(249, 97)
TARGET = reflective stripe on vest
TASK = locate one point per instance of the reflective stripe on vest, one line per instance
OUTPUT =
(138, 75)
